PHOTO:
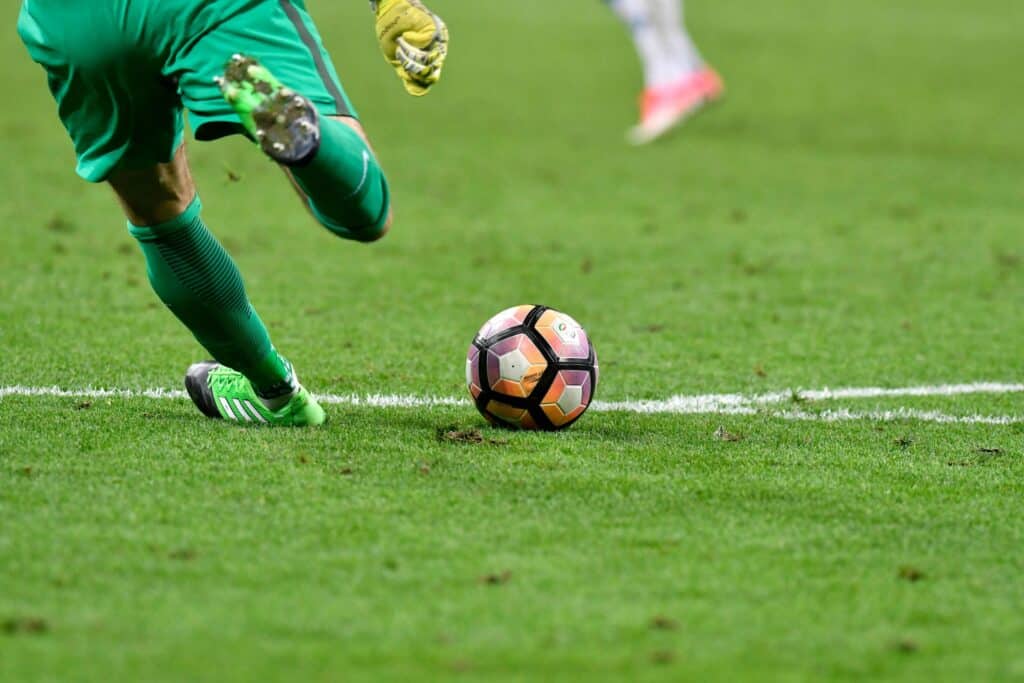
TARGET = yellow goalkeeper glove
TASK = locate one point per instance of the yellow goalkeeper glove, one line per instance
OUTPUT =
(414, 41)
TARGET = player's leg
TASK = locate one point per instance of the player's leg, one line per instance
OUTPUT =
(656, 57)
(199, 282)
(678, 47)
(286, 94)
(126, 122)
(328, 158)
(305, 198)
(676, 81)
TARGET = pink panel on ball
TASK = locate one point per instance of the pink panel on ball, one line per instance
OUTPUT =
(493, 369)
(507, 319)
(473, 371)
(494, 354)
(505, 345)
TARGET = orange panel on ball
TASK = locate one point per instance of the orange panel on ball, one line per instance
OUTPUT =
(557, 387)
(568, 397)
(505, 412)
(557, 417)
(509, 416)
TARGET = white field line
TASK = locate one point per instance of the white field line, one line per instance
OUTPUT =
(751, 403)
(844, 415)
(18, 390)
(701, 404)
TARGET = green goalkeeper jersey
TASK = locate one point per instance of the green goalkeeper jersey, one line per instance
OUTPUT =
(123, 72)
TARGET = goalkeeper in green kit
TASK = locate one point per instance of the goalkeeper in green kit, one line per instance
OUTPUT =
(123, 72)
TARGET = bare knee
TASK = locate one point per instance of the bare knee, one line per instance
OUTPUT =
(157, 193)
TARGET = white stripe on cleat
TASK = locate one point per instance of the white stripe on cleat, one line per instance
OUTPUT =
(254, 412)
(241, 410)
(227, 408)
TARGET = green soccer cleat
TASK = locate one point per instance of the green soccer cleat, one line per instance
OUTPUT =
(285, 124)
(223, 393)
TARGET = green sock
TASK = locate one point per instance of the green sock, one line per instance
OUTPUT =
(197, 280)
(345, 185)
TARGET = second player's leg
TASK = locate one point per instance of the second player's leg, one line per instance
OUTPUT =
(319, 191)
(328, 158)
(676, 81)
(656, 57)
(669, 22)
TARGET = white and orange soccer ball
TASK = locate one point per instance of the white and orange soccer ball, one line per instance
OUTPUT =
(532, 367)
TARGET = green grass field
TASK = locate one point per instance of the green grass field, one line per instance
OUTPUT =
(850, 216)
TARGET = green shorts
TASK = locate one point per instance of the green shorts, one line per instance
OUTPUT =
(124, 71)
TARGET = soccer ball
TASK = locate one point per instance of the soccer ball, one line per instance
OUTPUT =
(531, 367)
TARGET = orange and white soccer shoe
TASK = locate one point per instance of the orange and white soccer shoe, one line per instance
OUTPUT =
(665, 107)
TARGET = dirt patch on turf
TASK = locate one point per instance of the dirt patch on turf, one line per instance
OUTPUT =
(456, 435)
(453, 434)
(904, 442)
(905, 645)
(722, 434)
(911, 574)
(60, 224)
(461, 666)
(497, 579)
(24, 625)
(663, 623)
(182, 554)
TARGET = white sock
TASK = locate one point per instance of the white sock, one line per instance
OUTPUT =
(678, 47)
(278, 401)
(284, 392)
(659, 57)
